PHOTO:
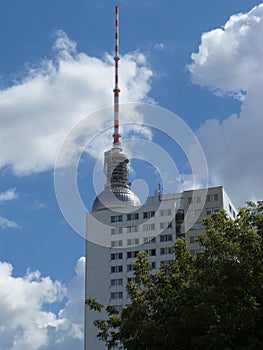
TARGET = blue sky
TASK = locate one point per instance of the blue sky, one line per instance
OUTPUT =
(56, 70)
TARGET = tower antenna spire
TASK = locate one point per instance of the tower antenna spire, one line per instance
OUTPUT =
(116, 135)
(116, 193)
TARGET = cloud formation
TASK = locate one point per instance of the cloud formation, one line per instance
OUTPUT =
(7, 196)
(230, 58)
(26, 319)
(38, 112)
(69, 332)
(230, 61)
(5, 223)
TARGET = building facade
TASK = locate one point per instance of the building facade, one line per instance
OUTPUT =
(116, 235)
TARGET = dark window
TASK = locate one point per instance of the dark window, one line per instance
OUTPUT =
(116, 218)
(133, 216)
(166, 238)
(180, 215)
(132, 254)
(151, 252)
(212, 197)
(118, 268)
(166, 250)
(148, 214)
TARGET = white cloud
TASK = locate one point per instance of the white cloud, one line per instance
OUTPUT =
(8, 195)
(159, 46)
(40, 205)
(230, 60)
(26, 323)
(69, 333)
(37, 113)
(22, 314)
(5, 223)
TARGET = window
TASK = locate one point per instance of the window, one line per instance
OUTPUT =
(115, 269)
(116, 295)
(132, 241)
(151, 239)
(148, 227)
(198, 199)
(153, 265)
(166, 250)
(130, 279)
(209, 211)
(199, 225)
(116, 282)
(164, 225)
(116, 256)
(116, 218)
(116, 230)
(195, 199)
(116, 244)
(131, 229)
(166, 238)
(129, 267)
(212, 197)
(196, 226)
(179, 215)
(119, 308)
(198, 212)
(191, 213)
(151, 252)
(192, 239)
(133, 216)
(148, 214)
(194, 213)
(166, 212)
(132, 254)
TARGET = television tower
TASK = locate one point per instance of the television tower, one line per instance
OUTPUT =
(115, 197)
(117, 193)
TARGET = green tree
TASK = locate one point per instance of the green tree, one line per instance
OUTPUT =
(210, 301)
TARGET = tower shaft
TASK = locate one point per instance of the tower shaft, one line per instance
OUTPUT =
(115, 161)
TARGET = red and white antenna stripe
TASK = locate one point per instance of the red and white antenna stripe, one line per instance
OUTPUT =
(116, 135)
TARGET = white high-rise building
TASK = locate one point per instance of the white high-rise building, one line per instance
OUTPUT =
(118, 227)
(116, 234)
